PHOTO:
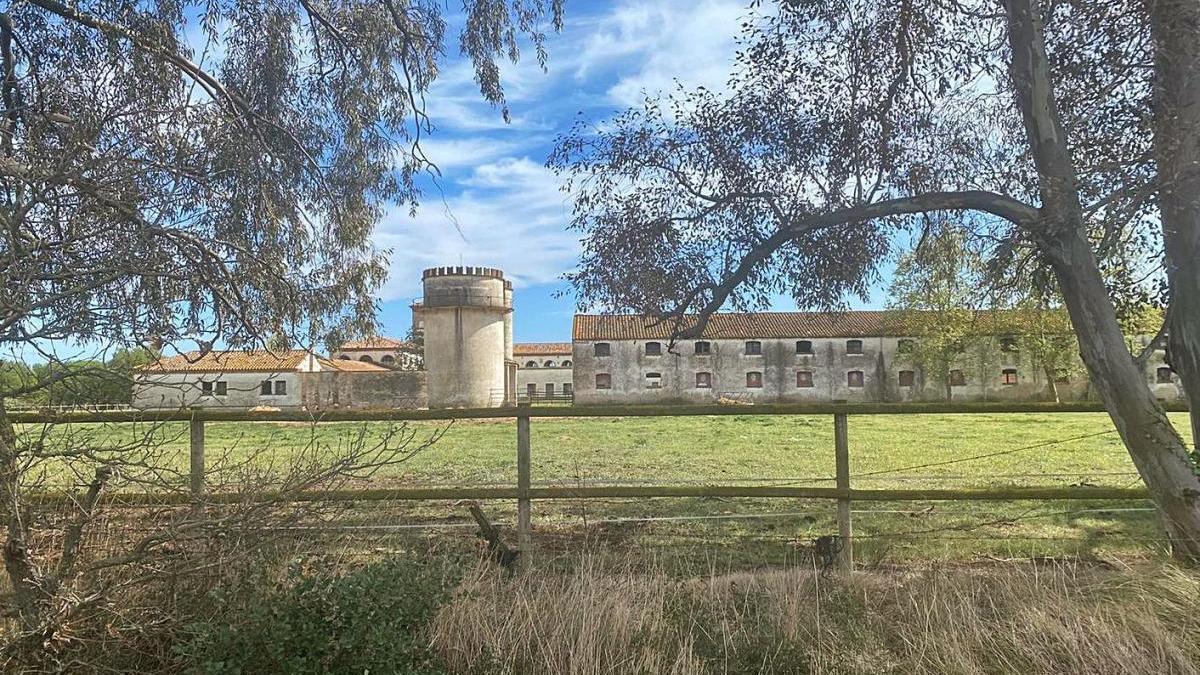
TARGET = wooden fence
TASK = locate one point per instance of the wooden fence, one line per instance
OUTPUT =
(525, 494)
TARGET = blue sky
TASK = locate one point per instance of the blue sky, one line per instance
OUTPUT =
(494, 185)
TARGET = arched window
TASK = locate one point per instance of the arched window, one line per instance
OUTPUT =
(653, 349)
(854, 379)
(1163, 376)
(548, 364)
(365, 358)
(804, 347)
(345, 357)
(531, 364)
(854, 347)
(387, 359)
(566, 363)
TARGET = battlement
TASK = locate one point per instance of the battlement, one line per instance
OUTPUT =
(461, 271)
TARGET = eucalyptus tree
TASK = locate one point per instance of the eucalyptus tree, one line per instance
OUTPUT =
(204, 171)
(1066, 133)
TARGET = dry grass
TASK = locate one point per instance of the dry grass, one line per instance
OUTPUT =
(1018, 618)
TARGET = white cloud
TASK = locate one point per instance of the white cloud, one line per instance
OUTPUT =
(511, 215)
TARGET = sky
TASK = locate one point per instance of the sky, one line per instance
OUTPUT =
(496, 204)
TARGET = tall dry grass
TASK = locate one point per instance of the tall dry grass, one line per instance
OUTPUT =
(1019, 618)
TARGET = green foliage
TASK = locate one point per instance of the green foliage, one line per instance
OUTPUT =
(368, 621)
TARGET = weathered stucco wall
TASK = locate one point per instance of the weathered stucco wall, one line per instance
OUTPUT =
(331, 390)
(540, 377)
(184, 390)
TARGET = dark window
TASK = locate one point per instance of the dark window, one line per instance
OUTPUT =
(206, 388)
(704, 380)
(602, 349)
(222, 388)
(753, 348)
(703, 347)
(549, 389)
(958, 378)
(280, 388)
(603, 381)
(653, 348)
(905, 346)
(566, 364)
(387, 359)
(854, 347)
(531, 364)
(531, 389)
(365, 359)
(345, 357)
(804, 378)
(1008, 376)
(804, 347)
(854, 378)
(1163, 376)
(906, 378)
(265, 388)
(549, 364)
(754, 379)
(566, 388)
(1008, 344)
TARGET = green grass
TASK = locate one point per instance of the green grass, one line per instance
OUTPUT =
(893, 451)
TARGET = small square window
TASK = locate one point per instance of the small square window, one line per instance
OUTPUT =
(531, 390)
(603, 381)
(703, 348)
(958, 378)
(804, 378)
(654, 380)
(1163, 376)
(907, 377)
(1008, 376)
(265, 388)
(602, 349)
(206, 388)
(753, 348)
(854, 347)
(1008, 344)
(704, 380)
(222, 388)
(566, 389)
(653, 349)
(549, 389)
(804, 347)
(754, 380)
(280, 388)
(854, 378)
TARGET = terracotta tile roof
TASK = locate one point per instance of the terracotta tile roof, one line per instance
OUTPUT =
(349, 366)
(539, 348)
(376, 342)
(253, 361)
(731, 325)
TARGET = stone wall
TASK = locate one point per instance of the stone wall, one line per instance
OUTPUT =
(331, 390)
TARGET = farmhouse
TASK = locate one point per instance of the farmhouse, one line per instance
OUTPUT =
(544, 370)
(290, 379)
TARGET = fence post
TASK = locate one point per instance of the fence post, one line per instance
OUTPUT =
(524, 515)
(841, 443)
(196, 448)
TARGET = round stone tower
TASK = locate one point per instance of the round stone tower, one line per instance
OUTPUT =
(468, 326)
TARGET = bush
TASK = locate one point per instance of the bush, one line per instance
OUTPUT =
(371, 620)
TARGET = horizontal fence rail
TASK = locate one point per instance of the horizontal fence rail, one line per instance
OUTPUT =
(633, 410)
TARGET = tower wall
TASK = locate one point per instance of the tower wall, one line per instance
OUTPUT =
(466, 311)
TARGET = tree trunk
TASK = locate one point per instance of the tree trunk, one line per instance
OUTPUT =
(1156, 448)
(22, 574)
(1052, 384)
(1176, 29)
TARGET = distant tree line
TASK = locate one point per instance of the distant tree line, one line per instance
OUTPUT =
(74, 382)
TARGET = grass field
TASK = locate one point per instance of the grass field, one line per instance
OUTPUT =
(886, 451)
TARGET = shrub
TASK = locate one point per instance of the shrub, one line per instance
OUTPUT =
(370, 620)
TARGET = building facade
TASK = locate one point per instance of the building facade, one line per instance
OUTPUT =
(773, 357)
(544, 371)
(386, 351)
